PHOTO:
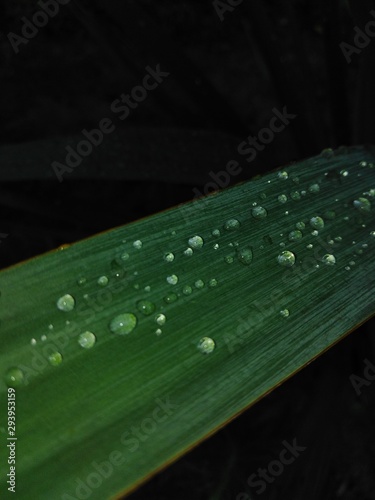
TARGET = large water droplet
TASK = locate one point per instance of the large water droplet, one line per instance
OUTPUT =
(329, 259)
(55, 359)
(362, 204)
(317, 222)
(206, 345)
(66, 303)
(245, 255)
(286, 258)
(259, 213)
(123, 323)
(87, 340)
(196, 242)
(232, 224)
(172, 279)
(146, 307)
(14, 377)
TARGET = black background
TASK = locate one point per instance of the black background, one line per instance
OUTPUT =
(225, 79)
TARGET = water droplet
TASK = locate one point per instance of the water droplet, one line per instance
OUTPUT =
(137, 244)
(363, 163)
(229, 259)
(232, 225)
(295, 195)
(169, 257)
(216, 233)
(282, 198)
(123, 323)
(199, 284)
(206, 345)
(347, 268)
(43, 338)
(286, 258)
(145, 307)
(81, 281)
(314, 188)
(295, 235)
(285, 313)
(263, 196)
(372, 233)
(103, 281)
(55, 359)
(327, 153)
(33, 341)
(329, 259)
(124, 256)
(196, 242)
(172, 279)
(259, 213)
(310, 246)
(283, 175)
(160, 319)
(317, 222)
(295, 180)
(187, 290)
(171, 297)
(245, 255)
(66, 303)
(300, 225)
(87, 340)
(344, 173)
(352, 263)
(315, 233)
(268, 239)
(158, 331)
(362, 204)
(14, 377)
(216, 246)
(188, 252)
(212, 282)
(117, 270)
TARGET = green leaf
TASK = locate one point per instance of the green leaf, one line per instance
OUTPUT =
(280, 268)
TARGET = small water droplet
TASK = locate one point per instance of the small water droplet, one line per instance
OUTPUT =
(216, 246)
(232, 225)
(314, 188)
(344, 173)
(137, 244)
(309, 246)
(188, 252)
(170, 298)
(259, 213)
(327, 153)
(124, 256)
(206, 345)
(103, 281)
(330, 214)
(285, 313)
(329, 259)
(172, 279)
(212, 282)
(245, 255)
(43, 338)
(160, 319)
(263, 196)
(317, 222)
(33, 341)
(66, 303)
(87, 340)
(81, 281)
(187, 290)
(158, 331)
(196, 242)
(123, 323)
(372, 233)
(199, 284)
(347, 268)
(315, 233)
(55, 359)
(283, 175)
(146, 307)
(229, 259)
(216, 233)
(169, 257)
(300, 225)
(282, 198)
(362, 204)
(14, 377)
(286, 258)
(295, 235)
(295, 195)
